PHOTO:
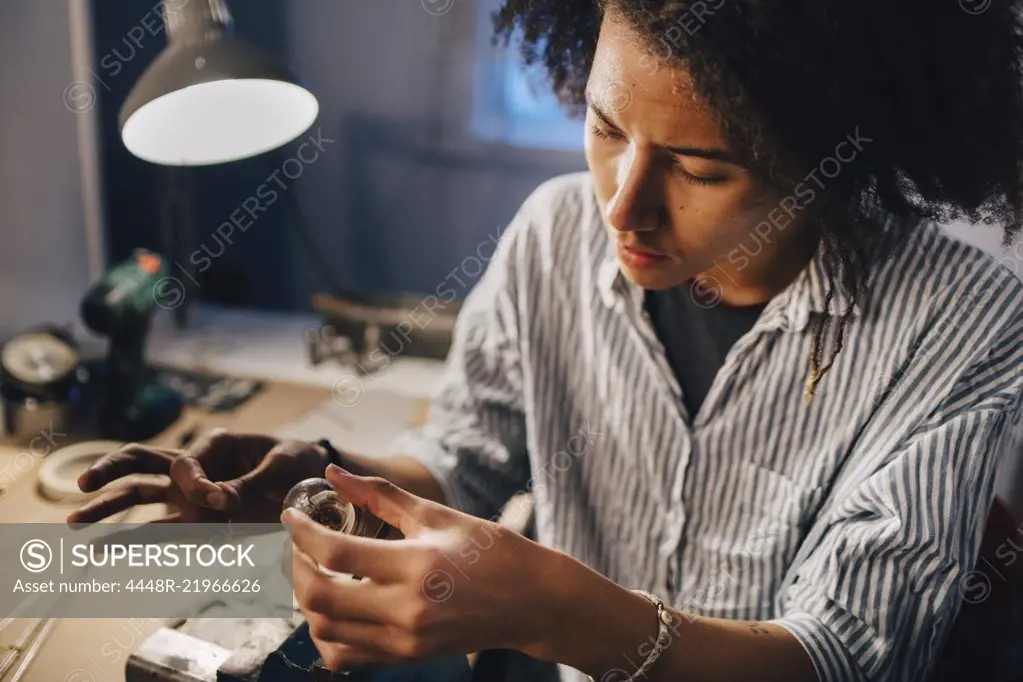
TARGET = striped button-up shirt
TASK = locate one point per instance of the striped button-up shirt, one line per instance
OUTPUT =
(850, 519)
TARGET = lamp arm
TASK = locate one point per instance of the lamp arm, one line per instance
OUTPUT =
(196, 21)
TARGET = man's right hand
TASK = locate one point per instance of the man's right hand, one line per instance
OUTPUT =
(222, 476)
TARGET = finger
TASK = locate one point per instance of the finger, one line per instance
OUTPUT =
(213, 447)
(130, 535)
(380, 497)
(380, 560)
(338, 657)
(169, 518)
(128, 459)
(337, 597)
(119, 499)
(358, 634)
(255, 484)
(188, 474)
(176, 530)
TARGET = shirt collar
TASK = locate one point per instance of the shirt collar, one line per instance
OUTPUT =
(806, 294)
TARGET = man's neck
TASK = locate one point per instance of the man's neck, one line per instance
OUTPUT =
(762, 278)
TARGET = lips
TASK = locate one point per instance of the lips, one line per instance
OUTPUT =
(643, 250)
(639, 257)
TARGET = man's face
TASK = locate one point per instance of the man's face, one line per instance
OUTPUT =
(674, 198)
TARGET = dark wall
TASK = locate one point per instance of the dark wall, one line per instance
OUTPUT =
(175, 211)
(408, 193)
(402, 195)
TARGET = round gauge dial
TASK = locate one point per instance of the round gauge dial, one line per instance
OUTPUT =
(38, 358)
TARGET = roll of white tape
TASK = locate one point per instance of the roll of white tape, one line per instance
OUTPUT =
(59, 472)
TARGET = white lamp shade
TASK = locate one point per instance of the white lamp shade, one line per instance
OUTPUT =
(219, 121)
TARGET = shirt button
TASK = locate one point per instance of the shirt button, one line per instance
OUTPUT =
(675, 521)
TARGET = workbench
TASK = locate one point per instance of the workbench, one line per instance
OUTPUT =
(259, 346)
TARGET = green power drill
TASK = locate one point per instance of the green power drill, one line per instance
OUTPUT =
(120, 307)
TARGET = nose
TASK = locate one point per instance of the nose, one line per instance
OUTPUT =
(638, 202)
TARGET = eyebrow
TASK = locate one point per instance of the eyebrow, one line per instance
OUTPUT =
(712, 153)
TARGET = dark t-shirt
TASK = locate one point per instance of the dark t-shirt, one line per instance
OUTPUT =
(697, 336)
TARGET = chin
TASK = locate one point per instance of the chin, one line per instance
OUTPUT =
(656, 279)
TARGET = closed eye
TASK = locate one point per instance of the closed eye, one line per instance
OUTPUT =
(606, 133)
(695, 178)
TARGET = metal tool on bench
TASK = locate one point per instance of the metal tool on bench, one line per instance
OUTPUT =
(371, 329)
(26, 647)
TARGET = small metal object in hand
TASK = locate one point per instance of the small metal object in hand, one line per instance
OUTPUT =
(317, 499)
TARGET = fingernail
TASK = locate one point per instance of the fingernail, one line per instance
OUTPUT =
(217, 499)
(288, 515)
(335, 469)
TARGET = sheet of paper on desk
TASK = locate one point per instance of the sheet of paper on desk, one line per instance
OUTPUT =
(364, 421)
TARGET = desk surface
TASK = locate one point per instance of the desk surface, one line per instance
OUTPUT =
(96, 650)
(264, 346)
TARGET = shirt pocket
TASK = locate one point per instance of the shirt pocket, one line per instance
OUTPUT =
(745, 552)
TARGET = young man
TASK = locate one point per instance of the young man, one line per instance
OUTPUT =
(734, 365)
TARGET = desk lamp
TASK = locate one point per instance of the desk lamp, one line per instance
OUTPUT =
(210, 98)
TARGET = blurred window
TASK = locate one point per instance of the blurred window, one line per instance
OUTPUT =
(515, 104)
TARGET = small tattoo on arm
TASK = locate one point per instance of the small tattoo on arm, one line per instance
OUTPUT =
(759, 630)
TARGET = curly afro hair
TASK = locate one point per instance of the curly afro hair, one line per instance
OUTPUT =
(936, 85)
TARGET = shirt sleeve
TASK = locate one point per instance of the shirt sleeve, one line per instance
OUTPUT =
(474, 438)
(879, 591)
